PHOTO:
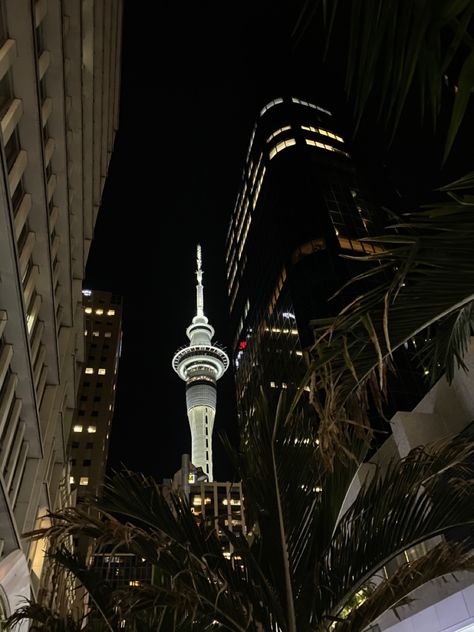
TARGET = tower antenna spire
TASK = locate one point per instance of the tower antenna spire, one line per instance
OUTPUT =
(199, 286)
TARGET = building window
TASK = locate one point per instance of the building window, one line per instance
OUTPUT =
(73, 461)
(97, 398)
(82, 413)
(89, 370)
(101, 371)
(75, 444)
(71, 480)
(108, 334)
(111, 312)
(84, 480)
(77, 428)
(86, 462)
(91, 429)
(95, 333)
(99, 312)
(89, 445)
(83, 398)
(88, 310)
(95, 413)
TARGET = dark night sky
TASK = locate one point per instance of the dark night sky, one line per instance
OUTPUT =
(193, 81)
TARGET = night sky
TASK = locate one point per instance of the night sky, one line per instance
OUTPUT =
(194, 78)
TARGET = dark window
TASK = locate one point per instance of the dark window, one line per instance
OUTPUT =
(89, 445)
(86, 462)
(103, 358)
(6, 93)
(12, 149)
(82, 413)
(91, 357)
(97, 398)
(85, 384)
(99, 385)
(95, 413)
(75, 444)
(83, 398)
(73, 461)
(94, 345)
(105, 347)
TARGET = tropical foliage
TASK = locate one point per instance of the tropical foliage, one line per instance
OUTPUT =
(310, 562)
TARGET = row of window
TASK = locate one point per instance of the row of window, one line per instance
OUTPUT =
(83, 480)
(99, 312)
(90, 371)
(79, 428)
(85, 462)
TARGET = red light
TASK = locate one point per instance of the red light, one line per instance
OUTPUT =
(242, 344)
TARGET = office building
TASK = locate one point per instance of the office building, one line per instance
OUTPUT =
(59, 96)
(91, 427)
(200, 364)
(298, 209)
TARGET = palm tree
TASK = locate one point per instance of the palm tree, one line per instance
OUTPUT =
(309, 561)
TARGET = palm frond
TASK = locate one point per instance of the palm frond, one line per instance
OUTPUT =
(427, 277)
(428, 493)
(395, 50)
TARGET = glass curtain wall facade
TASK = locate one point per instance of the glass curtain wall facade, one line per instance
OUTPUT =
(298, 209)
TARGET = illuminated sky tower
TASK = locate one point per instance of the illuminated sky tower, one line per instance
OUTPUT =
(200, 365)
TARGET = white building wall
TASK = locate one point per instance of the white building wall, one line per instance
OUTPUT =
(49, 127)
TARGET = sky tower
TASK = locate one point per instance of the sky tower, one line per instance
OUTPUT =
(200, 365)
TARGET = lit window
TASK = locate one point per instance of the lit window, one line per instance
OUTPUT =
(99, 312)
(281, 146)
(284, 385)
(87, 292)
(273, 385)
(95, 333)
(77, 429)
(197, 500)
(84, 480)
(134, 582)
(88, 310)
(101, 371)
(108, 334)
(71, 480)
(85, 332)
(89, 370)
(111, 312)
(91, 429)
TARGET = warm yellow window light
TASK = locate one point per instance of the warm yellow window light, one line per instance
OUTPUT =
(84, 480)
(77, 428)
(111, 312)
(88, 310)
(91, 429)
(99, 312)
(101, 371)
(89, 370)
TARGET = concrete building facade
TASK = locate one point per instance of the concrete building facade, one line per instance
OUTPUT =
(59, 113)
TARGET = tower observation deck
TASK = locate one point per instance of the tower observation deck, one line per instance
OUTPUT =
(200, 364)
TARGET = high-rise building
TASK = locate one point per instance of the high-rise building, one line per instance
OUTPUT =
(91, 427)
(59, 109)
(200, 364)
(298, 209)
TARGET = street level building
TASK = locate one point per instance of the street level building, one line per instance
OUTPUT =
(59, 113)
